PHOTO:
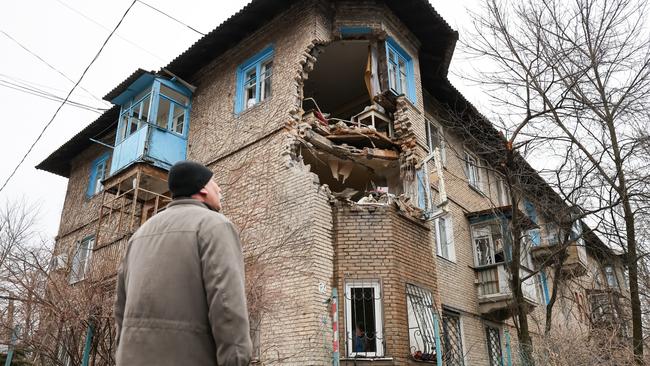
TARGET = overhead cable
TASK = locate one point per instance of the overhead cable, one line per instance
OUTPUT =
(66, 98)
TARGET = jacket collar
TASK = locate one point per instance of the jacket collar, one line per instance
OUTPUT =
(188, 201)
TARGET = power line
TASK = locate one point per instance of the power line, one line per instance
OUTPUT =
(67, 97)
(106, 28)
(46, 63)
(169, 16)
(47, 95)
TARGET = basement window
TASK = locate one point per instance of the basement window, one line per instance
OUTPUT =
(81, 259)
(400, 70)
(254, 80)
(363, 326)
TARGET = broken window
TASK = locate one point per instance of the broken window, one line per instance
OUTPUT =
(552, 233)
(488, 243)
(445, 237)
(435, 138)
(452, 340)
(363, 327)
(493, 336)
(134, 114)
(254, 80)
(81, 259)
(420, 309)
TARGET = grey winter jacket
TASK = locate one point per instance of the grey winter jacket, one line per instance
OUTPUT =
(180, 291)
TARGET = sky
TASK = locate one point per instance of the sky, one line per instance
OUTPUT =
(66, 35)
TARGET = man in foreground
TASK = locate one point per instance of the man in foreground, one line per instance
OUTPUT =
(180, 288)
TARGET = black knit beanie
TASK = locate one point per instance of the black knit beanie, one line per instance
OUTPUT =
(187, 177)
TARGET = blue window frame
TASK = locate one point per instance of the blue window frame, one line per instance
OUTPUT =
(97, 175)
(254, 80)
(162, 103)
(401, 79)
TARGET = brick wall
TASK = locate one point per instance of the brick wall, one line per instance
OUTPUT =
(379, 243)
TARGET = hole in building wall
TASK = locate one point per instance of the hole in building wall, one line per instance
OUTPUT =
(354, 178)
(337, 81)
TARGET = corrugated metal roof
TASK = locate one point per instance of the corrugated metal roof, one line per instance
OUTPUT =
(59, 162)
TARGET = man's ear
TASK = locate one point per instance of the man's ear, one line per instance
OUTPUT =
(203, 191)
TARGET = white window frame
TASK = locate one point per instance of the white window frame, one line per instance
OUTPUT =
(431, 123)
(473, 171)
(610, 276)
(350, 328)
(503, 193)
(415, 338)
(552, 233)
(449, 237)
(79, 273)
(492, 247)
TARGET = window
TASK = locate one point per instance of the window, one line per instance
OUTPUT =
(503, 193)
(400, 70)
(172, 110)
(488, 243)
(254, 80)
(81, 259)
(552, 233)
(62, 355)
(363, 326)
(542, 288)
(610, 275)
(420, 310)
(472, 171)
(435, 139)
(452, 340)
(97, 175)
(134, 114)
(493, 337)
(445, 237)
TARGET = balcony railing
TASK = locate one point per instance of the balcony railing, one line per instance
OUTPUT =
(150, 143)
(494, 293)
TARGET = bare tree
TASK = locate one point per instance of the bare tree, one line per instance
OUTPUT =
(582, 68)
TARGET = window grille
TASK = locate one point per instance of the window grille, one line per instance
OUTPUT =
(363, 319)
(420, 308)
(452, 343)
(494, 346)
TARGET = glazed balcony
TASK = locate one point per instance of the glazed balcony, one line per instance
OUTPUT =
(494, 294)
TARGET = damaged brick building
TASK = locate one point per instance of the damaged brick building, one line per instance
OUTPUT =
(372, 227)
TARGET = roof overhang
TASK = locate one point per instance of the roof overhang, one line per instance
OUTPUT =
(60, 161)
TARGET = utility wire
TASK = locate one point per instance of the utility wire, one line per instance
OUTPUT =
(169, 16)
(46, 95)
(46, 63)
(67, 97)
(106, 28)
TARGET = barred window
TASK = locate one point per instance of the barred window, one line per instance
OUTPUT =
(363, 326)
(452, 340)
(420, 310)
(493, 337)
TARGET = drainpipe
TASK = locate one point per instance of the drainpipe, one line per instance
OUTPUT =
(436, 333)
(12, 345)
(89, 339)
(508, 357)
(335, 328)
